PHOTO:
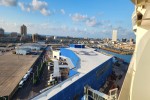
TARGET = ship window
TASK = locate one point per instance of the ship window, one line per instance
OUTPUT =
(143, 6)
(135, 30)
(139, 16)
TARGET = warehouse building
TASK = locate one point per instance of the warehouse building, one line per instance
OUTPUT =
(23, 51)
(28, 47)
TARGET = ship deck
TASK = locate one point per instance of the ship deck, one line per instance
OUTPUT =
(89, 60)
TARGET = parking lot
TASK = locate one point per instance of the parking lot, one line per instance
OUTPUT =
(29, 89)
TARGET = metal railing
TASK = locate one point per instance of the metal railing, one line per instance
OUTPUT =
(137, 2)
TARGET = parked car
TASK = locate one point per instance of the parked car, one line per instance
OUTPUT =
(25, 77)
(29, 71)
(21, 83)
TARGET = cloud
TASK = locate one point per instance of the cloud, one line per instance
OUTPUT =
(62, 11)
(36, 5)
(91, 22)
(88, 21)
(45, 12)
(39, 5)
(8, 2)
(78, 17)
(25, 7)
(42, 6)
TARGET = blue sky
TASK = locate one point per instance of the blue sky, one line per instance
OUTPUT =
(77, 18)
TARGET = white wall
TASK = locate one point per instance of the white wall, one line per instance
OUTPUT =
(56, 54)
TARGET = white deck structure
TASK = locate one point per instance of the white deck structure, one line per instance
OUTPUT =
(89, 60)
(57, 67)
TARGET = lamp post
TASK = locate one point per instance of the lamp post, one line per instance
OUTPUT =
(33, 76)
(33, 83)
(38, 70)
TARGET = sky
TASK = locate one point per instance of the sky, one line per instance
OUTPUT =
(76, 18)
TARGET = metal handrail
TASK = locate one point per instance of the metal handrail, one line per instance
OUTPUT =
(139, 1)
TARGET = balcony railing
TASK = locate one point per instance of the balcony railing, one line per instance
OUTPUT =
(138, 2)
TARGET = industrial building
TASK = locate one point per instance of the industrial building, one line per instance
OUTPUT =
(28, 47)
(23, 51)
(86, 67)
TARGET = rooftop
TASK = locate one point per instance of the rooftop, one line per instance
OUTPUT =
(12, 69)
(89, 60)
